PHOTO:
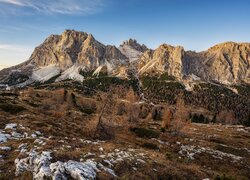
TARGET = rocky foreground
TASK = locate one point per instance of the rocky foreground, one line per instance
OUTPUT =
(49, 134)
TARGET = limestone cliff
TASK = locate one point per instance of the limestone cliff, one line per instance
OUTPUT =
(68, 54)
(227, 63)
(73, 47)
(165, 59)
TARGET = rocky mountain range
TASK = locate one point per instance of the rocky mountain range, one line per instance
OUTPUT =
(79, 109)
(65, 56)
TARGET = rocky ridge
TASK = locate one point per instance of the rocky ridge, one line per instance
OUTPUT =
(68, 54)
(227, 63)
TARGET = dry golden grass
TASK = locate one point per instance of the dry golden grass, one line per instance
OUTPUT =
(59, 116)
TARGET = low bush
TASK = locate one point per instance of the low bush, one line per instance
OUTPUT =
(145, 133)
(88, 110)
(247, 122)
(11, 108)
(169, 155)
(150, 146)
(223, 177)
(195, 118)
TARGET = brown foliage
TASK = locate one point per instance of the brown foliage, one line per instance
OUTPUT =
(133, 109)
(180, 117)
(226, 117)
(167, 118)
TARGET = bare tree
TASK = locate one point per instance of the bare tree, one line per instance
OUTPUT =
(104, 129)
(132, 106)
(167, 118)
(181, 115)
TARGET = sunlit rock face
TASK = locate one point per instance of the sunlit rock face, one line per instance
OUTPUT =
(72, 52)
(73, 47)
(227, 63)
(165, 59)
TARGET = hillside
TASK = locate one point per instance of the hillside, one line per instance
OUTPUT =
(64, 129)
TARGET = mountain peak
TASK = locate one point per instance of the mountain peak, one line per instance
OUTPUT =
(73, 50)
(229, 45)
(69, 32)
(135, 45)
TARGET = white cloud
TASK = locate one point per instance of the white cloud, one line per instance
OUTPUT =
(14, 2)
(58, 6)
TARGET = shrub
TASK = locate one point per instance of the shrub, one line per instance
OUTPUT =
(169, 155)
(11, 108)
(165, 76)
(199, 119)
(247, 121)
(163, 130)
(223, 177)
(150, 146)
(157, 113)
(88, 110)
(148, 133)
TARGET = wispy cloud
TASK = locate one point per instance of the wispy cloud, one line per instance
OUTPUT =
(14, 48)
(82, 7)
(11, 54)
(14, 2)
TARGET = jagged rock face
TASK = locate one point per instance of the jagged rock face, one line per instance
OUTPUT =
(59, 49)
(16, 74)
(132, 50)
(72, 51)
(193, 64)
(227, 63)
(145, 58)
(74, 47)
(165, 59)
(133, 43)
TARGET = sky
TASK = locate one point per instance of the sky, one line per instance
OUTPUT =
(194, 24)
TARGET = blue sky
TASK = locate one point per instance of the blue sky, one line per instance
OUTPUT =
(194, 24)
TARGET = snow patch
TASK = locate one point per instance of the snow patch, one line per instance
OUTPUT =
(10, 126)
(130, 52)
(5, 148)
(4, 137)
(45, 73)
(72, 73)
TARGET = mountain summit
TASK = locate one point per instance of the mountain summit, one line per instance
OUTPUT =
(74, 47)
(72, 52)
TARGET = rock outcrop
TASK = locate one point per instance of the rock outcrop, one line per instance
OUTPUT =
(135, 45)
(74, 47)
(165, 59)
(227, 63)
(132, 50)
(65, 54)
